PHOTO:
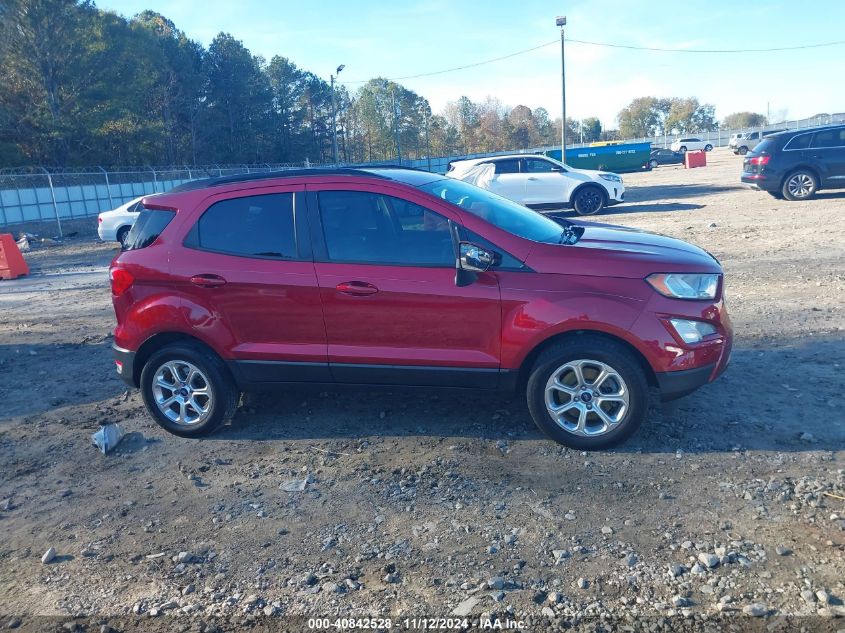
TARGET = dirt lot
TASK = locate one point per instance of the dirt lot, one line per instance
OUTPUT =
(431, 504)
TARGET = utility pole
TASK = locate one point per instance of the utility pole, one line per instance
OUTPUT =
(561, 22)
(427, 143)
(396, 126)
(334, 116)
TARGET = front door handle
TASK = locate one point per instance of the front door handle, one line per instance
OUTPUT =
(208, 281)
(356, 288)
(532, 178)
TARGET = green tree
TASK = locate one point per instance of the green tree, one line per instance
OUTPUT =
(640, 118)
(744, 119)
(592, 129)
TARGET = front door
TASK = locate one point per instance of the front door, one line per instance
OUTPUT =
(827, 152)
(386, 269)
(249, 283)
(546, 183)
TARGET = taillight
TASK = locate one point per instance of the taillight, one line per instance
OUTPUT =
(99, 219)
(121, 280)
(759, 160)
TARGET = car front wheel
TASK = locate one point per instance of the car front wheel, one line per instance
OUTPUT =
(653, 164)
(588, 200)
(188, 390)
(683, 149)
(800, 185)
(742, 151)
(587, 393)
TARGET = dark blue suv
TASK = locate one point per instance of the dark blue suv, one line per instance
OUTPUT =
(797, 163)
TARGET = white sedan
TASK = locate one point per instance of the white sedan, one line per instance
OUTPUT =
(541, 182)
(114, 225)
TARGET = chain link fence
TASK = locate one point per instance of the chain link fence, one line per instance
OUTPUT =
(40, 194)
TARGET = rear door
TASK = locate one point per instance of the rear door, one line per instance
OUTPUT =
(827, 153)
(545, 182)
(386, 269)
(507, 181)
(248, 282)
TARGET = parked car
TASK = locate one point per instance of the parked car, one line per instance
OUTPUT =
(797, 163)
(401, 277)
(690, 144)
(114, 225)
(541, 182)
(664, 157)
(744, 142)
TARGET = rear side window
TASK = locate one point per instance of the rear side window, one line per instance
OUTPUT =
(250, 226)
(802, 141)
(507, 166)
(829, 138)
(148, 226)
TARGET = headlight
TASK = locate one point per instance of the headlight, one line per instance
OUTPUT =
(685, 285)
(692, 331)
(611, 177)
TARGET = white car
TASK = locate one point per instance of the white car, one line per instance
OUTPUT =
(541, 182)
(690, 144)
(114, 225)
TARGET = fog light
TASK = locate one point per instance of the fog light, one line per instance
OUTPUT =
(692, 331)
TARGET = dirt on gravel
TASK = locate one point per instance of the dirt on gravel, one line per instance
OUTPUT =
(727, 504)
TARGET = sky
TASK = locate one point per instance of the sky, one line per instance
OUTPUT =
(395, 39)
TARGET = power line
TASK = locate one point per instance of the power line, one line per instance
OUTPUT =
(608, 45)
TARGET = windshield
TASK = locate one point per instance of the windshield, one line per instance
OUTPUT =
(498, 211)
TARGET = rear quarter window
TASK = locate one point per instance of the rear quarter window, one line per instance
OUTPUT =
(802, 141)
(148, 226)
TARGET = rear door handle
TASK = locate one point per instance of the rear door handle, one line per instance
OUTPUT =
(356, 288)
(208, 281)
(532, 178)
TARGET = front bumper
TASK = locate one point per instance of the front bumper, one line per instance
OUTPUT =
(124, 360)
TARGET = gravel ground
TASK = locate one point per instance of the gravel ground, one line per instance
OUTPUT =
(728, 504)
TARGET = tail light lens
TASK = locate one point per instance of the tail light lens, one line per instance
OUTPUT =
(99, 219)
(121, 280)
(759, 160)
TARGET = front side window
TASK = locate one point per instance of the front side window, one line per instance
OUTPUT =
(372, 228)
(249, 226)
(510, 166)
(498, 211)
(538, 166)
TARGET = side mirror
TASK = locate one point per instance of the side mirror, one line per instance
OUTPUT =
(476, 258)
(557, 169)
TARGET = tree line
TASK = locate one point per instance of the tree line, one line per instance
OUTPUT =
(83, 86)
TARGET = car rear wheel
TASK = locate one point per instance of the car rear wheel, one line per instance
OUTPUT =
(742, 151)
(708, 148)
(683, 149)
(587, 393)
(800, 185)
(588, 200)
(653, 164)
(122, 233)
(188, 390)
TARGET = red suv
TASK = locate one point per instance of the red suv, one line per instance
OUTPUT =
(407, 278)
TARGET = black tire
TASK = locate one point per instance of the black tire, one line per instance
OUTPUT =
(708, 148)
(224, 394)
(801, 184)
(742, 151)
(591, 349)
(589, 200)
(653, 164)
(775, 194)
(683, 149)
(122, 232)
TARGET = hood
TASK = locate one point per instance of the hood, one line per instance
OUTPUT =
(616, 251)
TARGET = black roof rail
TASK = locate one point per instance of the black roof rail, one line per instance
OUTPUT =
(203, 183)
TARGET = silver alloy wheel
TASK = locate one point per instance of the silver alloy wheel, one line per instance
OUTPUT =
(800, 185)
(182, 393)
(587, 397)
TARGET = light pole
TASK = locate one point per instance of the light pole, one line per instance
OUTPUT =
(334, 116)
(561, 22)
